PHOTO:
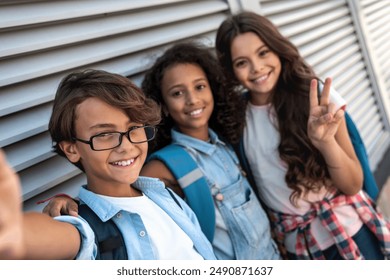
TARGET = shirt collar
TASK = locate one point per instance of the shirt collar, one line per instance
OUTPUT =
(200, 145)
(104, 209)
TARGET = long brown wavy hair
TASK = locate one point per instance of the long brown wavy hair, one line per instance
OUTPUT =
(306, 165)
(224, 119)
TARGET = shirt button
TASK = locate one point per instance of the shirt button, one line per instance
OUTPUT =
(219, 196)
(142, 233)
(119, 215)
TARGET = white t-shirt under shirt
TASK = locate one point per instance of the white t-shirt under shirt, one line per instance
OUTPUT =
(261, 140)
(169, 241)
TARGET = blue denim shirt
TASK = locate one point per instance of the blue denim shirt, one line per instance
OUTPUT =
(136, 238)
(247, 234)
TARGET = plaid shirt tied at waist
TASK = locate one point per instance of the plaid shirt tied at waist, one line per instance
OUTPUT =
(307, 247)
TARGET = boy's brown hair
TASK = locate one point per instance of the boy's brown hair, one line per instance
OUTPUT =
(114, 89)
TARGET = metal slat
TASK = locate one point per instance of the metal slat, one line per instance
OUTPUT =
(304, 36)
(30, 66)
(24, 95)
(326, 65)
(382, 42)
(356, 84)
(353, 103)
(334, 54)
(371, 127)
(70, 187)
(366, 4)
(24, 124)
(321, 43)
(46, 37)
(50, 11)
(354, 73)
(344, 73)
(375, 10)
(326, 20)
(21, 96)
(283, 6)
(46, 175)
(29, 152)
(317, 9)
(380, 28)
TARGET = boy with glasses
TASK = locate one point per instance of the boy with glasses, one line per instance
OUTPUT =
(101, 122)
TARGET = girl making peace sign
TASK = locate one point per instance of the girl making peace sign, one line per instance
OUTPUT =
(298, 148)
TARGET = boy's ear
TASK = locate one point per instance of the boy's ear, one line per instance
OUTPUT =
(70, 150)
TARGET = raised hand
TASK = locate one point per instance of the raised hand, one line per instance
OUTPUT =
(324, 120)
(11, 225)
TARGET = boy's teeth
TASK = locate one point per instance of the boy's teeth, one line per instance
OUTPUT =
(124, 162)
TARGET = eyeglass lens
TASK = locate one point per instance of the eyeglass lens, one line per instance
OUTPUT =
(113, 139)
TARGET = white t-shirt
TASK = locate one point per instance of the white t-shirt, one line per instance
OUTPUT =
(168, 240)
(261, 140)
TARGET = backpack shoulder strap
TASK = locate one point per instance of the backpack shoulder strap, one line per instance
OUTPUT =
(108, 238)
(191, 179)
(369, 183)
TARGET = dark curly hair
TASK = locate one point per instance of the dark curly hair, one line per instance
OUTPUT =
(114, 89)
(306, 165)
(225, 120)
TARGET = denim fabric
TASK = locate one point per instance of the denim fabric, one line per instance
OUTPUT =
(136, 237)
(246, 221)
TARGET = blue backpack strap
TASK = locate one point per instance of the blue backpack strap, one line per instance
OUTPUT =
(108, 238)
(369, 183)
(193, 183)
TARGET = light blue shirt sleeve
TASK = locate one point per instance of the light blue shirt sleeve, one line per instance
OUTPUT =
(88, 250)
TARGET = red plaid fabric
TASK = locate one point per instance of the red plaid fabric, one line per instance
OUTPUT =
(307, 246)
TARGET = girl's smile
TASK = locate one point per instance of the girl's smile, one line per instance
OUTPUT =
(255, 66)
(188, 98)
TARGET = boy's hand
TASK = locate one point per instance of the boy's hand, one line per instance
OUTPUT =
(324, 120)
(11, 226)
(61, 205)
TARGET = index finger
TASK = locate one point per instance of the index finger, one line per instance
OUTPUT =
(313, 93)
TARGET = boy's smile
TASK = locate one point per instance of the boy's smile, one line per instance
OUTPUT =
(109, 172)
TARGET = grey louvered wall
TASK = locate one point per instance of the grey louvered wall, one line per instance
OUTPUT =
(375, 21)
(42, 41)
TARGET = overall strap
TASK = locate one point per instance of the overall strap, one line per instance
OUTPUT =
(108, 238)
(193, 183)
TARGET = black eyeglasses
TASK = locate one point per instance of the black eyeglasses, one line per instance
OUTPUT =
(111, 140)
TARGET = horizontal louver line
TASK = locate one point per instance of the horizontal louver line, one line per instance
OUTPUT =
(46, 175)
(52, 11)
(30, 66)
(24, 124)
(47, 37)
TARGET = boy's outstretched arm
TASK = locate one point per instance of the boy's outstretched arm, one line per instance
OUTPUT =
(46, 238)
(11, 237)
(30, 235)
